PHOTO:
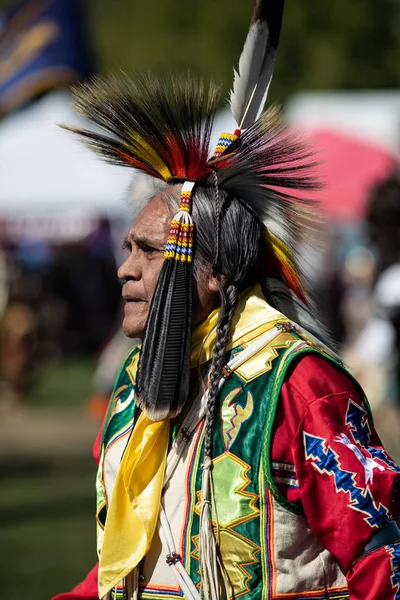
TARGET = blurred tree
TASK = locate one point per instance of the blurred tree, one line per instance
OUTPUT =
(331, 45)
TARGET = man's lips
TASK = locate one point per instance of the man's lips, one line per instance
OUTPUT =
(130, 295)
(132, 299)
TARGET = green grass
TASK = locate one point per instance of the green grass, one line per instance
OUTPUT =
(47, 504)
(47, 527)
(68, 382)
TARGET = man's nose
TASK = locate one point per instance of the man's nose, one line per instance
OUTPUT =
(130, 269)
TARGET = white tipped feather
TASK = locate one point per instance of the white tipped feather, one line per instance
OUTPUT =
(256, 63)
(250, 66)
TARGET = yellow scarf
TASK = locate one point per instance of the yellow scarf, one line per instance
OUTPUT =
(133, 511)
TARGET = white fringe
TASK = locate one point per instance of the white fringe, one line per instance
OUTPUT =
(132, 585)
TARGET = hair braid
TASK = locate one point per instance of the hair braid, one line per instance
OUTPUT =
(229, 299)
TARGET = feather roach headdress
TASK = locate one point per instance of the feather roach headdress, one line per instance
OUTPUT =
(162, 127)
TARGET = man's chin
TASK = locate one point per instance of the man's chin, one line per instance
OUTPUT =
(132, 330)
(134, 321)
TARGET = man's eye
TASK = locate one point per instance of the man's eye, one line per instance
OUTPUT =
(149, 249)
(146, 248)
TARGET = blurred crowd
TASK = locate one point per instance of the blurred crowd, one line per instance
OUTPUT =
(56, 302)
(59, 293)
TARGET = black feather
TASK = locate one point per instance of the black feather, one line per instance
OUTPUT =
(164, 365)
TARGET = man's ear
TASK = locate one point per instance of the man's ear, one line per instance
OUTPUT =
(215, 283)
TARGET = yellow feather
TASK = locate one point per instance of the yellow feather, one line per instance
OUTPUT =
(146, 153)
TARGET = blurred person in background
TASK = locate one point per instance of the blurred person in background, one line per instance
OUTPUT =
(238, 456)
(17, 337)
(3, 283)
(375, 353)
(18, 329)
(383, 227)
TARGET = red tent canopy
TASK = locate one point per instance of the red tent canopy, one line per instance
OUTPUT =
(349, 169)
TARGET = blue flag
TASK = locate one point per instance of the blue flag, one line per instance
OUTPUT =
(43, 45)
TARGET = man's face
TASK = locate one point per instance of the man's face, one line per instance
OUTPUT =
(145, 243)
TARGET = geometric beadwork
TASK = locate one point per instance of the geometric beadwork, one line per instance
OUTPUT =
(225, 140)
(180, 240)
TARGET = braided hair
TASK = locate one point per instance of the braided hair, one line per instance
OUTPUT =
(228, 305)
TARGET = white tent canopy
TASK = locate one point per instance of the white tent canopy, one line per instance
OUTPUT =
(46, 174)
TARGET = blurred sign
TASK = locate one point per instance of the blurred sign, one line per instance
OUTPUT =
(42, 46)
(52, 229)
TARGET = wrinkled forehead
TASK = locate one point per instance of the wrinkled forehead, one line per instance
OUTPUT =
(152, 224)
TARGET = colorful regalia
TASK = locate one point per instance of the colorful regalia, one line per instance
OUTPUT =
(238, 459)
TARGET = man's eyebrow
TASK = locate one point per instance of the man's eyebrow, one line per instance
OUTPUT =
(145, 242)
